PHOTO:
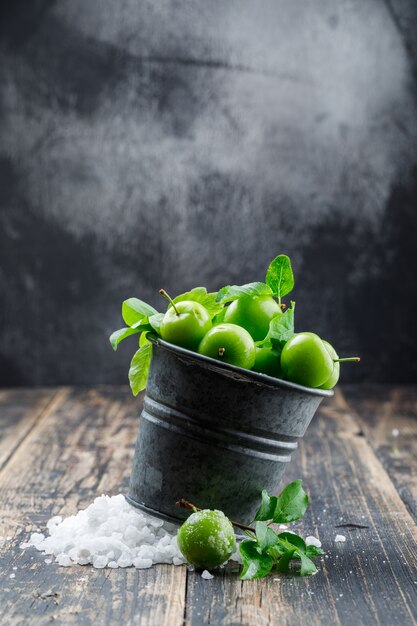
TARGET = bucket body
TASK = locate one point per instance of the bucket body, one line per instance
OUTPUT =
(214, 434)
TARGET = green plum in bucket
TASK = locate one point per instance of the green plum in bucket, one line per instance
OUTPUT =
(247, 326)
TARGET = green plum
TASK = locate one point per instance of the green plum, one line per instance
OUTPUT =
(306, 361)
(185, 323)
(334, 376)
(253, 314)
(207, 539)
(267, 361)
(229, 343)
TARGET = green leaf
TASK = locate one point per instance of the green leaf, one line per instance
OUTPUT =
(307, 565)
(281, 329)
(134, 310)
(279, 276)
(266, 536)
(267, 509)
(219, 318)
(118, 336)
(139, 367)
(155, 322)
(291, 539)
(292, 503)
(283, 564)
(255, 565)
(199, 294)
(312, 551)
(276, 552)
(233, 292)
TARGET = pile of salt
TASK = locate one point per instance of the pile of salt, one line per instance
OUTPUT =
(109, 533)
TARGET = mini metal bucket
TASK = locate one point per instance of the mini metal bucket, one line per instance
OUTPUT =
(214, 434)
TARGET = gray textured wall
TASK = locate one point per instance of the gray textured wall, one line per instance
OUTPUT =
(148, 144)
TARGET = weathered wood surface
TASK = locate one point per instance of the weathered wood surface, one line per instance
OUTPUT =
(61, 448)
(388, 418)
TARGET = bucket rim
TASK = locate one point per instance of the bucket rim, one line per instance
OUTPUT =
(243, 373)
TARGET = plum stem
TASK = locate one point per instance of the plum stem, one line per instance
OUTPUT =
(191, 507)
(222, 351)
(353, 359)
(164, 293)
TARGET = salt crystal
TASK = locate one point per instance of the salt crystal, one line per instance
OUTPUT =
(283, 527)
(142, 563)
(340, 538)
(12, 576)
(63, 560)
(48, 561)
(124, 561)
(206, 575)
(100, 561)
(312, 541)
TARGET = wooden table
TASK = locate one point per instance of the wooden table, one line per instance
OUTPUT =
(59, 448)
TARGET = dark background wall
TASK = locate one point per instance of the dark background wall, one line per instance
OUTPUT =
(148, 144)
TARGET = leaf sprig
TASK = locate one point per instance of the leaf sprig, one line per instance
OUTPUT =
(266, 549)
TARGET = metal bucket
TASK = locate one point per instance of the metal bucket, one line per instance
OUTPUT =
(214, 434)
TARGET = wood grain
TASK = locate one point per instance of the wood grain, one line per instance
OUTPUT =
(77, 451)
(81, 444)
(367, 580)
(388, 418)
(19, 411)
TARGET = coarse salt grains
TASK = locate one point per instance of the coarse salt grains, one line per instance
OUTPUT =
(109, 533)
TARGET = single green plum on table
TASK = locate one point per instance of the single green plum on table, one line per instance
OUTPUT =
(207, 539)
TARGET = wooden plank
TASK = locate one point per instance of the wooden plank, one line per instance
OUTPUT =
(80, 449)
(388, 418)
(19, 411)
(369, 579)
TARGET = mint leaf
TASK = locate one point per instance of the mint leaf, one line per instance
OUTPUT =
(281, 329)
(279, 276)
(265, 536)
(139, 367)
(199, 294)
(267, 509)
(219, 318)
(312, 551)
(291, 504)
(288, 540)
(233, 292)
(134, 310)
(283, 564)
(307, 565)
(155, 322)
(255, 565)
(277, 551)
(118, 336)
